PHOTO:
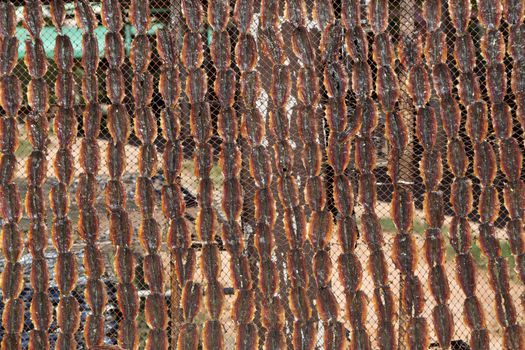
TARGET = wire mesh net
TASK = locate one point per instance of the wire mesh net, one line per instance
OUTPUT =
(406, 20)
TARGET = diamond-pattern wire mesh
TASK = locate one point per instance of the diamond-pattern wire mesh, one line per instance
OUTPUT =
(406, 20)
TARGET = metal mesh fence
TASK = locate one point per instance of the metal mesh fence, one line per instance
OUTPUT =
(406, 20)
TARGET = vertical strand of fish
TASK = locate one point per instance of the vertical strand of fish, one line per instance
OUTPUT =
(192, 57)
(254, 132)
(65, 127)
(365, 154)
(342, 133)
(156, 312)
(36, 169)
(12, 281)
(252, 129)
(230, 162)
(304, 328)
(88, 225)
(338, 152)
(120, 229)
(320, 224)
(461, 191)
(404, 251)
(431, 170)
(485, 167)
(513, 13)
(178, 238)
(272, 45)
(320, 227)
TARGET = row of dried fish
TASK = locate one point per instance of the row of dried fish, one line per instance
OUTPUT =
(253, 130)
(404, 253)
(301, 302)
(173, 204)
(513, 13)
(350, 269)
(485, 166)
(145, 125)
(120, 229)
(461, 190)
(336, 83)
(65, 127)
(230, 162)
(88, 226)
(12, 246)
(431, 171)
(36, 167)
(200, 126)
(365, 157)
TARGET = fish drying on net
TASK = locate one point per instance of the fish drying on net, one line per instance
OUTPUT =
(432, 171)
(404, 249)
(485, 167)
(36, 168)
(201, 129)
(461, 188)
(229, 125)
(230, 159)
(88, 226)
(502, 122)
(120, 230)
(146, 130)
(383, 54)
(258, 289)
(361, 128)
(300, 293)
(68, 314)
(12, 282)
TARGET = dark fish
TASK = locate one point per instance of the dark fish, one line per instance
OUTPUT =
(419, 85)
(464, 53)
(114, 51)
(496, 82)
(466, 275)
(193, 13)
(224, 87)
(387, 88)
(192, 50)
(485, 163)
(33, 20)
(220, 50)
(215, 299)
(436, 49)
(7, 19)
(166, 46)
(460, 14)
(243, 307)
(432, 14)
(461, 196)
(302, 46)
(323, 13)
(140, 54)
(212, 335)
(85, 16)
(383, 52)
(460, 235)
(58, 12)
(469, 90)
(243, 14)
(450, 115)
(378, 15)
(489, 13)
(9, 56)
(281, 85)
